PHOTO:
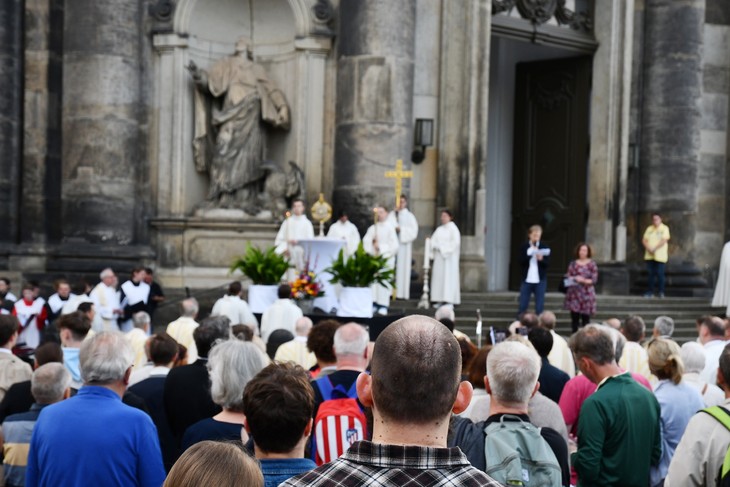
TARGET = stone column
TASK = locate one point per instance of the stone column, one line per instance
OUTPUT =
(374, 125)
(671, 123)
(103, 155)
(11, 115)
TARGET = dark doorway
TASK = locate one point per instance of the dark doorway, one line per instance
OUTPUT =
(550, 165)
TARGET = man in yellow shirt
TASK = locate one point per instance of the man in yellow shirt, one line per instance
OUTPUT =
(656, 255)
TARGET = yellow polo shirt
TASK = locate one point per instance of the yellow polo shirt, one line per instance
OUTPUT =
(654, 235)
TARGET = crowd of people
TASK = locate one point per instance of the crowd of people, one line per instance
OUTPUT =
(240, 399)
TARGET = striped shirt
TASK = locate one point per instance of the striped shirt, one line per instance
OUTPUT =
(372, 464)
(18, 430)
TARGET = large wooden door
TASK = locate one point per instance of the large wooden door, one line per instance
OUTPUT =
(550, 164)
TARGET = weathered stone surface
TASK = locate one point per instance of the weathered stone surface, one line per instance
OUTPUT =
(714, 111)
(672, 117)
(715, 79)
(11, 112)
(717, 12)
(373, 125)
(104, 173)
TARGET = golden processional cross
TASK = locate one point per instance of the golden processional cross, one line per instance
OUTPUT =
(399, 175)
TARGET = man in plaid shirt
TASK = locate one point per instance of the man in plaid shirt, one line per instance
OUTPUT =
(414, 387)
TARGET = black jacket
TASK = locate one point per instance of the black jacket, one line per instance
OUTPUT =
(542, 265)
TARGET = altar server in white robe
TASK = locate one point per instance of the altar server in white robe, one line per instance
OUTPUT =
(135, 297)
(344, 229)
(295, 228)
(106, 300)
(406, 226)
(381, 239)
(446, 246)
(722, 289)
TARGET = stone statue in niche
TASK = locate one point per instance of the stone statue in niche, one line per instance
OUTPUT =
(230, 136)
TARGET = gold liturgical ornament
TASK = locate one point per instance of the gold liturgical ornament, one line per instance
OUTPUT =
(321, 212)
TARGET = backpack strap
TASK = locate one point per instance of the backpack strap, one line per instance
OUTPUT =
(719, 413)
(325, 387)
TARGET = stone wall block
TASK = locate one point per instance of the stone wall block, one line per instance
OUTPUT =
(715, 79)
(714, 111)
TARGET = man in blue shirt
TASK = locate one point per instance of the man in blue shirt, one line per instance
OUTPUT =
(93, 438)
(279, 403)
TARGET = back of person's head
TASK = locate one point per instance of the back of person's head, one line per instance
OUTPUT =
(411, 348)
(512, 370)
(541, 339)
(162, 349)
(189, 307)
(664, 325)
(617, 339)
(234, 288)
(79, 287)
(77, 323)
(302, 326)
(448, 324)
(693, 357)
(49, 383)
(284, 291)
(279, 403)
(633, 328)
(714, 325)
(445, 311)
(665, 359)
(529, 320)
(276, 339)
(48, 352)
(212, 330)
(8, 326)
(321, 341)
(242, 332)
(594, 343)
(478, 367)
(105, 358)
(724, 367)
(85, 306)
(351, 339)
(231, 365)
(141, 320)
(614, 323)
(547, 320)
(217, 464)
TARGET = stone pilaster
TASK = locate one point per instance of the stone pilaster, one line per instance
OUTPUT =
(11, 115)
(374, 125)
(103, 149)
(671, 120)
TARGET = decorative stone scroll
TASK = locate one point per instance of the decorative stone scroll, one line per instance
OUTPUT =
(539, 12)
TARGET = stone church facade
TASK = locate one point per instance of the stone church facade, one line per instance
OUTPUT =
(584, 116)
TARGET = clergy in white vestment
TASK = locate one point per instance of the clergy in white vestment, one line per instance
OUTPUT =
(344, 229)
(31, 314)
(58, 300)
(722, 289)
(106, 300)
(296, 227)
(381, 239)
(406, 226)
(134, 297)
(182, 328)
(446, 246)
(281, 315)
(235, 308)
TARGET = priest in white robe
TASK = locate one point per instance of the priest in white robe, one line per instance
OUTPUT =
(106, 300)
(344, 229)
(406, 226)
(722, 289)
(381, 239)
(281, 315)
(134, 297)
(296, 227)
(446, 247)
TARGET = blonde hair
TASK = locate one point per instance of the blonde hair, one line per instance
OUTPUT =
(665, 359)
(215, 463)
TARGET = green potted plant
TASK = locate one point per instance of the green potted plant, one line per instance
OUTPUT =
(357, 274)
(265, 268)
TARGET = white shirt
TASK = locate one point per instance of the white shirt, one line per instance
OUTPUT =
(146, 371)
(282, 315)
(346, 231)
(533, 274)
(236, 310)
(713, 350)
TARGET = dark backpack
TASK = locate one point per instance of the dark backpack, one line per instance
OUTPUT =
(723, 416)
(339, 423)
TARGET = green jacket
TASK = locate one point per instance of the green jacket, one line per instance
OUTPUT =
(619, 435)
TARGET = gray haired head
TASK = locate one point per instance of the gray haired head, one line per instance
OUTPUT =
(49, 383)
(105, 358)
